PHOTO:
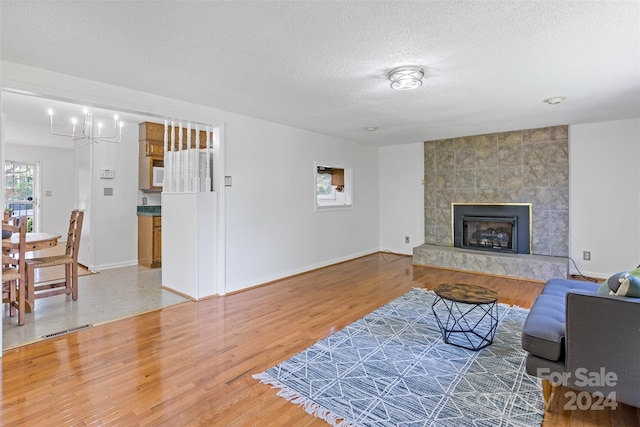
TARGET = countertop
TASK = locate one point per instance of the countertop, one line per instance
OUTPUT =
(147, 210)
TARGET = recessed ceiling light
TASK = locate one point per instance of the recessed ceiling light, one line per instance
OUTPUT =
(554, 100)
(371, 129)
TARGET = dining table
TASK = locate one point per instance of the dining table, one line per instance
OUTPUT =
(34, 242)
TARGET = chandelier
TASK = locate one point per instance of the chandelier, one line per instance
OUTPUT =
(89, 129)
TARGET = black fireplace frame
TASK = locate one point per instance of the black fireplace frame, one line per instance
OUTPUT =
(522, 211)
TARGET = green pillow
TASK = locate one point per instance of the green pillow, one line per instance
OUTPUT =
(625, 283)
(610, 283)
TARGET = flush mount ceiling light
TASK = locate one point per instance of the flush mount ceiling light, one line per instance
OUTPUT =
(406, 78)
(554, 100)
(371, 129)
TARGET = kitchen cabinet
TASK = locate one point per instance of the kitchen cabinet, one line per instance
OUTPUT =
(150, 240)
(151, 151)
(150, 155)
(153, 136)
(337, 177)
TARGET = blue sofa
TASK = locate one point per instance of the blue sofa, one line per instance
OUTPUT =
(585, 340)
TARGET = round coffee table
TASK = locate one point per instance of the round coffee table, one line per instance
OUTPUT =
(467, 315)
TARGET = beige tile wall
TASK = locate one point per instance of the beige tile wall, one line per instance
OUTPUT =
(528, 166)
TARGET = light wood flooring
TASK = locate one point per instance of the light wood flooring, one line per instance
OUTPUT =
(192, 364)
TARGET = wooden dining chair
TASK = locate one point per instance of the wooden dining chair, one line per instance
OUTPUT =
(69, 259)
(14, 271)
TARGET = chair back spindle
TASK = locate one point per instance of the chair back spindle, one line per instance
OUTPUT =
(14, 269)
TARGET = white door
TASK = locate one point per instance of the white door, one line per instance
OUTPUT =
(22, 191)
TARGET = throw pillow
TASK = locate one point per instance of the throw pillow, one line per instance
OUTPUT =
(625, 283)
(611, 284)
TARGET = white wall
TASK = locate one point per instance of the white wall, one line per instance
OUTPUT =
(604, 183)
(401, 197)
(84, 191)
(57, 176)
(114, 219)
(604, 196)
(271, 228)
(64, 172)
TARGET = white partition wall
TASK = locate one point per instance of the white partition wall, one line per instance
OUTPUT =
(189, 213)
(189, 243)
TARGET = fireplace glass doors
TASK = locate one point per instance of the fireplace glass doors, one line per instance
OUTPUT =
(491, 233)
(492, 227)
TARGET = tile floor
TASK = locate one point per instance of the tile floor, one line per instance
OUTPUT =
(103, 297)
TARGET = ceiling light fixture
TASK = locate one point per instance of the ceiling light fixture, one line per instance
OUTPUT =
(406, 78)
(554, 100)
(88, 129)
(371, 129)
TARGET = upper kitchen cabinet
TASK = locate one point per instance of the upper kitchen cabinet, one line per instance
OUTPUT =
(151, 156)
(151, 137)
(151, 152)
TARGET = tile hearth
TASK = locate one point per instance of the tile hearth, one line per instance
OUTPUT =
(533, 267)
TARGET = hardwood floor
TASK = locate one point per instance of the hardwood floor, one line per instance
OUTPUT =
(192, 364)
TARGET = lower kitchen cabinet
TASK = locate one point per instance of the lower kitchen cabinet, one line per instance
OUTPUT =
(150, 240)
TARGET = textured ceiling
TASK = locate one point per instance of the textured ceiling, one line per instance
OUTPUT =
(322, 65)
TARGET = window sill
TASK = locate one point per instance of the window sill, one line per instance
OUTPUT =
(321, 208)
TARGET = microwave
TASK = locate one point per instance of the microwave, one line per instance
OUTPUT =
(157, 176)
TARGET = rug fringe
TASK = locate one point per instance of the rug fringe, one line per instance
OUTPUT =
(307, 404)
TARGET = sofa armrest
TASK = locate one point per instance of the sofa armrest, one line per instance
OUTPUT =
(603, 344)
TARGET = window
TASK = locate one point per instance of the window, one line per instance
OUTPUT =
(324, 189)
(333, 188)
(20, 189)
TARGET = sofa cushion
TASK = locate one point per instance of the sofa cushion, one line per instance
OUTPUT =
(544, 328)
(560, 287)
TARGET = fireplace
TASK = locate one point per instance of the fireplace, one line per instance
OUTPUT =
(502, 228)
(482, 232)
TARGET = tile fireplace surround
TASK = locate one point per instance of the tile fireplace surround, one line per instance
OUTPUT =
(527, 166)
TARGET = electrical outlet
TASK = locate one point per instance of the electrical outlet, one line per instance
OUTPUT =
(586, 255)
(406, 239)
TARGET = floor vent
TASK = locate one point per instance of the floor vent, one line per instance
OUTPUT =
(66, 331)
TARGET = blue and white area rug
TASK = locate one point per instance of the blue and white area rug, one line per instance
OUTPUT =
(391, 368)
